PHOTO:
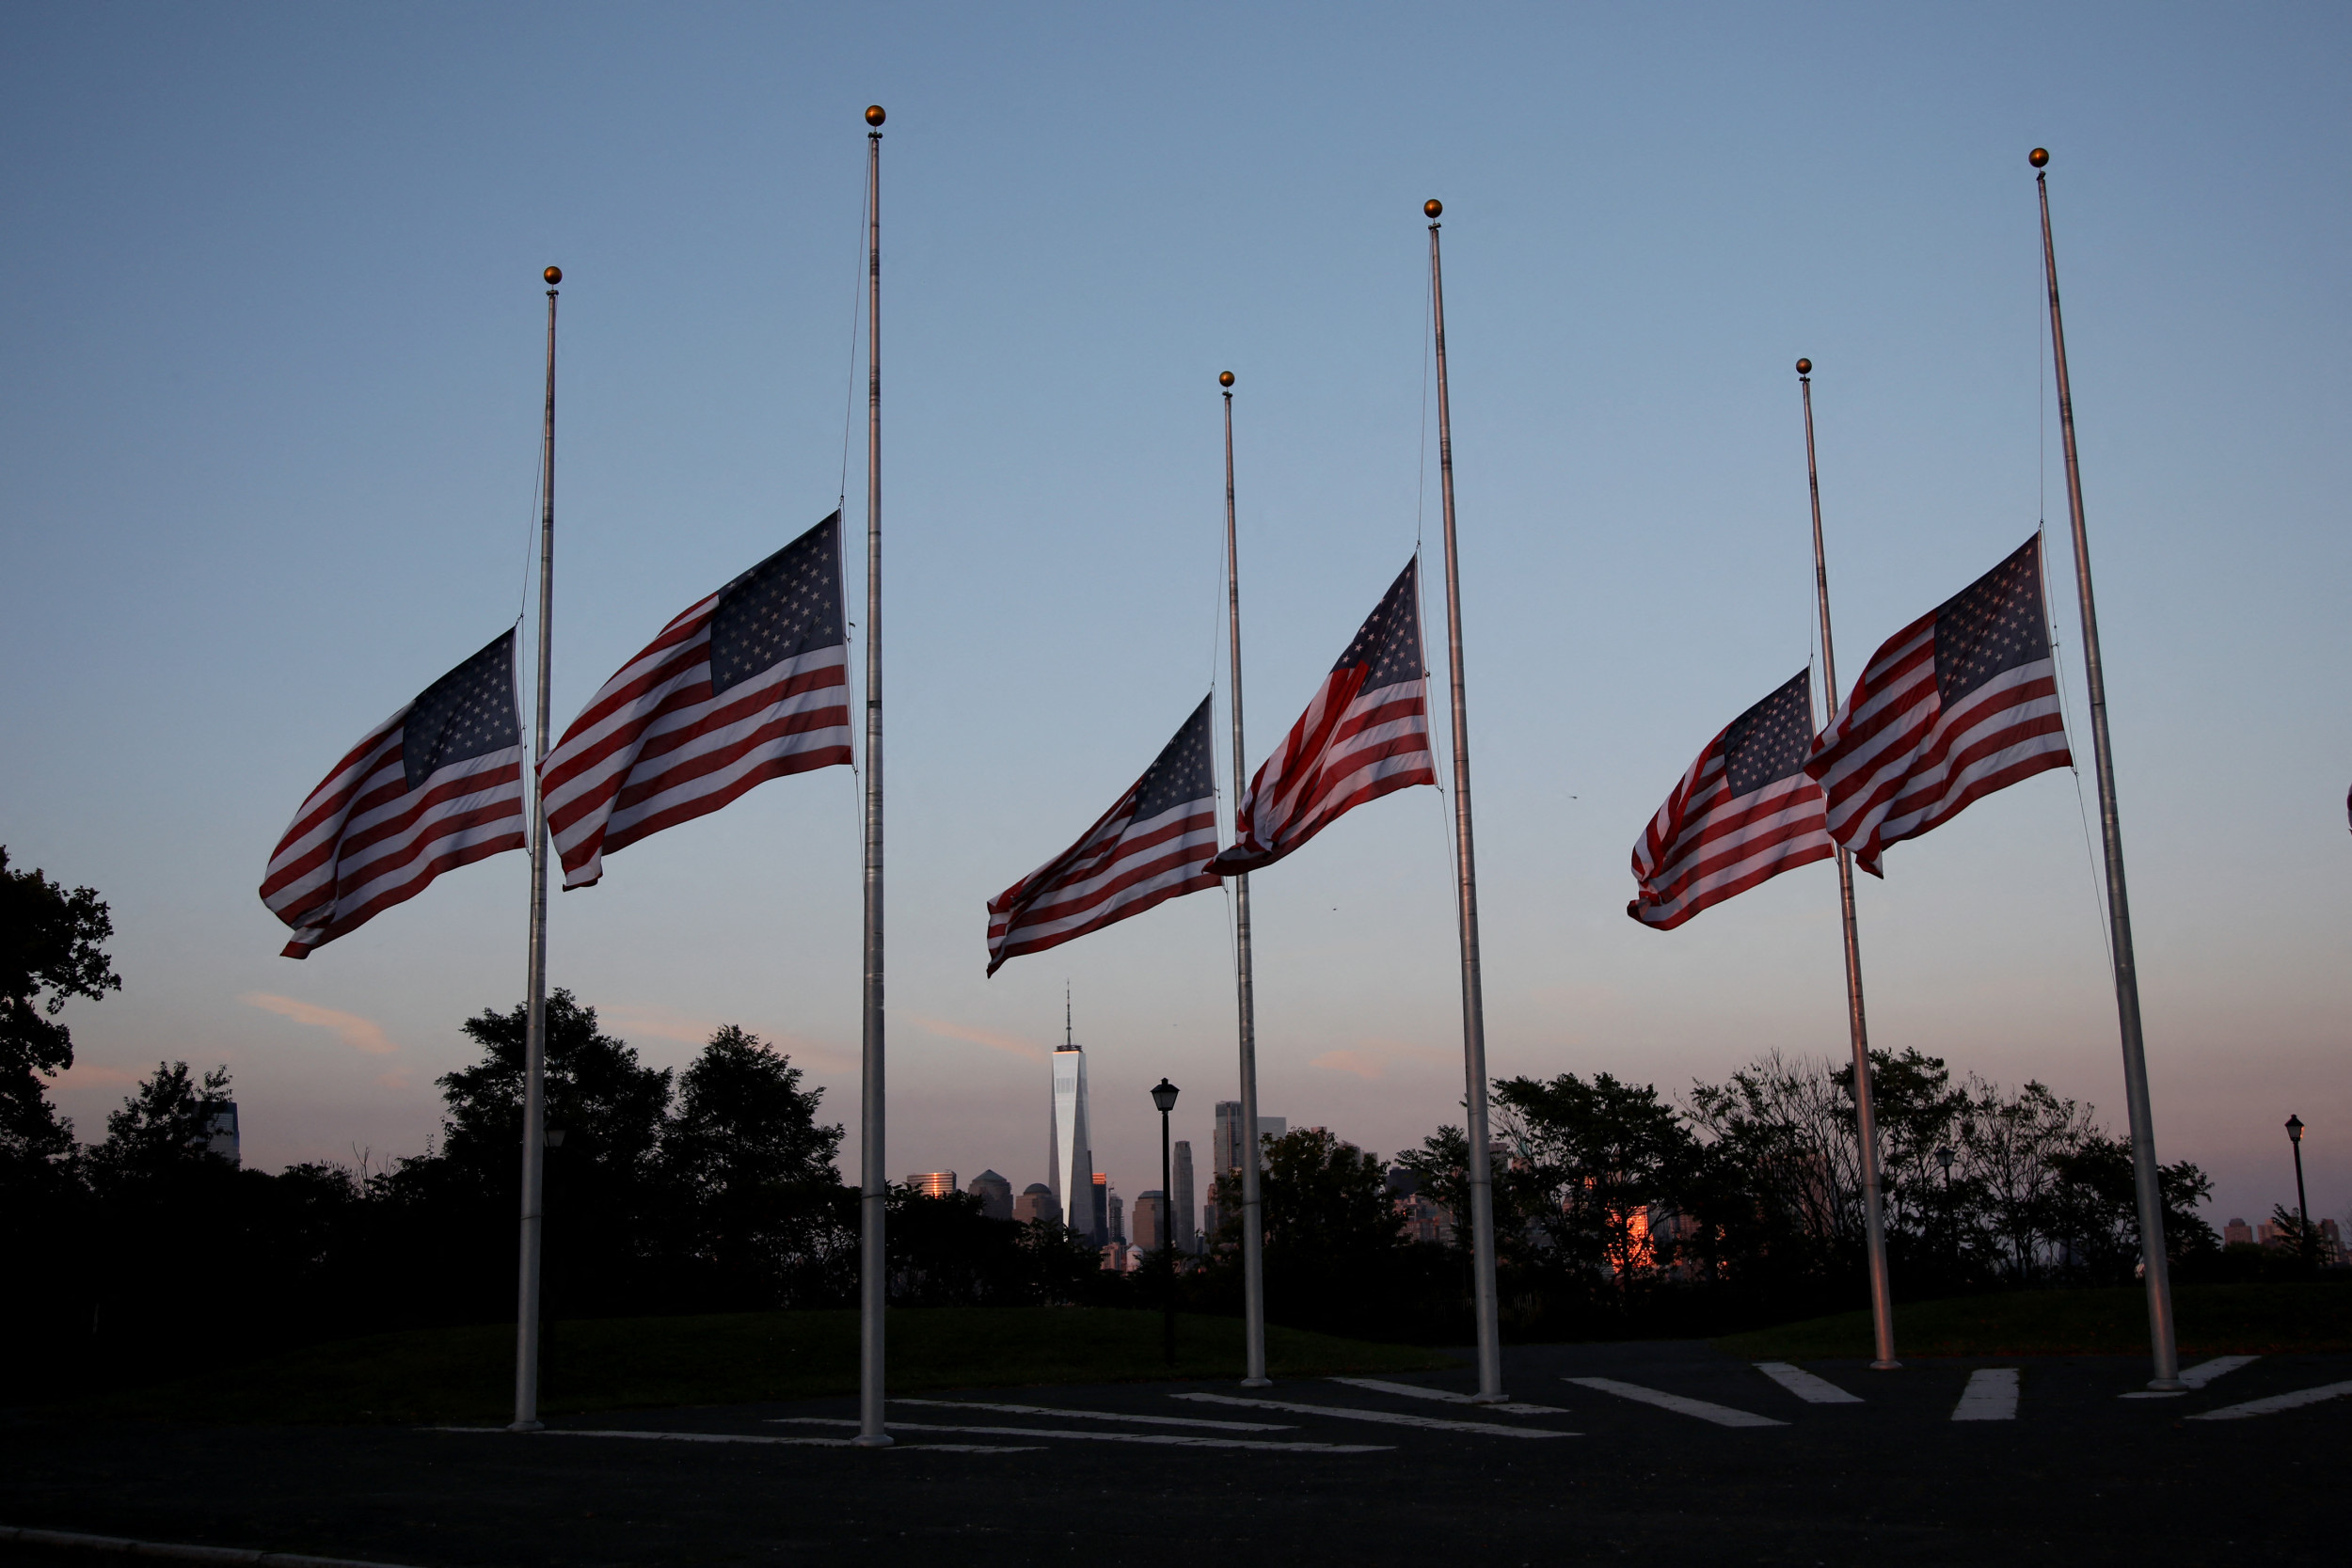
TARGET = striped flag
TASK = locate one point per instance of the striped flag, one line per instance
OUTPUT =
(1365, 734)
(748, 685)
(1746, 812)
(437, 785)
(1154, 845)
(1959, 703)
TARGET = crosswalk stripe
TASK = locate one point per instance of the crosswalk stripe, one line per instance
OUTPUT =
(1721, 1415)
(1163, 1439)
(1101, 1416)
(1384, 1418)
(1414, 1390)
(1812, 1390)
(2206, 1371)
(743, 1437)
(2275, 1403)
(1991, 1396)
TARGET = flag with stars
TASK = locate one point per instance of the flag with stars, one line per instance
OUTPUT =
(748, 685)
(437, 785)
(1152, 845)
(1959, 703)
(1746, 812)
(1365, 734)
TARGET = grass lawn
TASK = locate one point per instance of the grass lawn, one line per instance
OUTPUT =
(467, 1374)
(2213, 1319)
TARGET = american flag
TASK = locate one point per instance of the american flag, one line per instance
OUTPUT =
(1959, 703)
(1746, 812)
(1365, 734)
(1154, 845)
(748, 685)
(437, 785)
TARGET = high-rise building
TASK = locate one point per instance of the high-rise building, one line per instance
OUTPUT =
(1211, 1216)
(1102, 1210)
(2237, 1233)
(220, 1134)
(1117, 1214)
(1228, 1134)
(1181, 1212)
(932, 1184)
(995, 1193)
(1073, 1149)
(1037, 1202)
(1152, 1220)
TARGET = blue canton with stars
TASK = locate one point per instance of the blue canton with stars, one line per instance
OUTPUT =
(786, 606)
(1994, 625)
(1771, 741)
(1186, 770)
(1389, 642)
(468, 712)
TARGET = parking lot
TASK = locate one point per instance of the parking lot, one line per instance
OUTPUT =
(1607, 1453)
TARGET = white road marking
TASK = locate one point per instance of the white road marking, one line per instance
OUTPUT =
(1165, 1439)
(2206, 1371)
(1386, 1417)
(1101, 1416)
(1812, 1390)
(2196, 1377)
(2277, 1402)
(1991, 1396)
(739, 1438)
(1721, 1415)
(1414, 1390)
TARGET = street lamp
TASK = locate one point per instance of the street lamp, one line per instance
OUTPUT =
(2302, 1209)
(1163, 1096)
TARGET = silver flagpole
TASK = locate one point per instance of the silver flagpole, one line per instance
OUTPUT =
(1482, 1193)
(1252, 1215)
(535, 1031)
(2157, 1272)
(1866, 1120)
(873, 1262)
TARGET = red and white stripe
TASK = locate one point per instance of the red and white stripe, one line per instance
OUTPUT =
(655, 748)
(1896, 763)
(1707, 845)
(1120, 867)
(1349, 746)
(364, 841)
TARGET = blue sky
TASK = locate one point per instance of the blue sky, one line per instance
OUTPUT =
(271, 417)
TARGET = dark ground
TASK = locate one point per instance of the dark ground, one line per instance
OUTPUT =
(2079, 1477)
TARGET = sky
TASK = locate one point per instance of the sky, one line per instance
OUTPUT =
(270, 396)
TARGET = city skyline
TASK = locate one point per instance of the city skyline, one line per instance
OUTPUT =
(270, 439)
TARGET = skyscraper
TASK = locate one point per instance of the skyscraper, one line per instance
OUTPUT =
(932, 1184)
(1180, 1210)
(1230, 1142)
(1073, 1171)
(1152, 1220)
(1037, 1202)
(1117, 1214)
(1102, 1210)
(995, 1193)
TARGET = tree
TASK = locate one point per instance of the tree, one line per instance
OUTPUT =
(609, 1106)
(1597, 1168)
(51, 948)
(163, 1130)
(1325, 1199)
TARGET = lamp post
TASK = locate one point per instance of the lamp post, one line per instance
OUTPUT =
(2302, 1209)
(1163, 1096)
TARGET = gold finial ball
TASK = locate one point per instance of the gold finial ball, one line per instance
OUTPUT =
(1433, 207)
(553, 275)
(2039, 156)
(874, 115)
(1225, 378)
(1804, 367)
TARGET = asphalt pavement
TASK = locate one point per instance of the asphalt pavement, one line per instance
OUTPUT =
(1649, 1452)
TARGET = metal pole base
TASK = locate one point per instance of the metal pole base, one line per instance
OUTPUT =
(880, 1440)
(2168, 1385)
(1886, 1366)
(1257, 1383)
(524, 1426)
(1497, 1398)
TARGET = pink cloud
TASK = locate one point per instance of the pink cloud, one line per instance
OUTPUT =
(360, 1033)
(995, 1042)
